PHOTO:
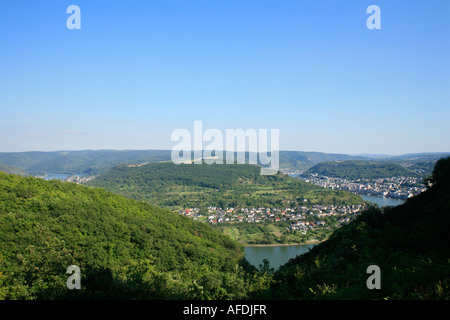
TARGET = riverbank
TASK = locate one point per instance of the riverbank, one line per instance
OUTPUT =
(383, 201)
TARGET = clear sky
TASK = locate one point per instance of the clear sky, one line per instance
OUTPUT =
(139, 69)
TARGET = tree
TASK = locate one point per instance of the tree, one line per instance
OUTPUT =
(441, 173)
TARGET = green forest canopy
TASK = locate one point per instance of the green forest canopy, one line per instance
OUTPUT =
(354, 170)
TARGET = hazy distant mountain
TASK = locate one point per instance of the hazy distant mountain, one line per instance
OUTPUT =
(12, 170)
(86, 161)
(96, 161)
(303, 160)
(421, 156)
(375, 155)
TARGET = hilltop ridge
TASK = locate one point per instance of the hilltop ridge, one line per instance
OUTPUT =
(97, 161)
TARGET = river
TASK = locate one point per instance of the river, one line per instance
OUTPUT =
(277, 255)
(57, 176)
(382, 201)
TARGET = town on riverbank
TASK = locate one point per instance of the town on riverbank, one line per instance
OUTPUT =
(301, 224)
(394, 187)
(310, 214)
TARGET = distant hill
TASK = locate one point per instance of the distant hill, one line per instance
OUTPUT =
(96, 161)
(410, 244)
(421, 156)
(86, 162)
(301, 160)
(360, 170)
(222, 185)
(12, 170)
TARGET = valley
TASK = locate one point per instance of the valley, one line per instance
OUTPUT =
(158, 230)
(237, 195)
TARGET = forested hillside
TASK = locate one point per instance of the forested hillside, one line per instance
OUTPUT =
(353, 170)
(199, 185)
(302, 160)
(410, 243)
(126, 249)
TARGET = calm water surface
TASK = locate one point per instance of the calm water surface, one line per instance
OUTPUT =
(277, 255)
(58, 176)
(381, 201)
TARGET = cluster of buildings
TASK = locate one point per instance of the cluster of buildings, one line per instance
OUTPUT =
(79, 179)
(394, 187)
(291, 172)
(299, 216)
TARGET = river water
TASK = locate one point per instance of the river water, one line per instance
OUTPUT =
(56, 176)
(382, 201)
(277, 255)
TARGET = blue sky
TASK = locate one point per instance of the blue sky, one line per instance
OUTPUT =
(138, 70)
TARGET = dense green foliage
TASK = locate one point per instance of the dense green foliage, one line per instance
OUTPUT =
(221, 185)
(353, 170)
(410, 243)
(126, 249)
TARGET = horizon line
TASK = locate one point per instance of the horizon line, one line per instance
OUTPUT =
(281, 150)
